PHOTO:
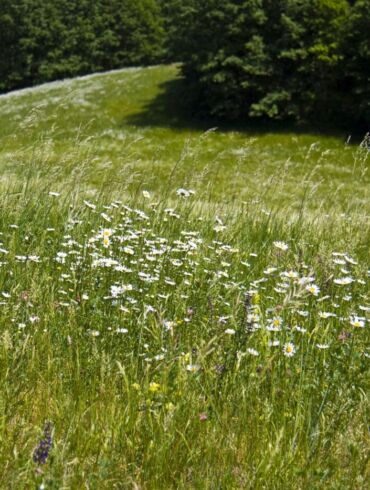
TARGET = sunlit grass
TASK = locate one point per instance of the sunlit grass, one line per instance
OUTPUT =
(153, 354)
(134, 126)
(186, 309)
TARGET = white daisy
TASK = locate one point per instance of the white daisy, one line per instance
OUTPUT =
(357, 322)
(313, 289)
(281, 245)
(342, 281)
(289, 349)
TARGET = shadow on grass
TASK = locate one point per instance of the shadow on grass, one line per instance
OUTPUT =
(175, 108)
(171, 108)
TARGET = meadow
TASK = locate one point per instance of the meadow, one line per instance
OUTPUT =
(181, 306)
(111, 128)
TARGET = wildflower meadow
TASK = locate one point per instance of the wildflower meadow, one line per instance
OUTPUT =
(157, 334)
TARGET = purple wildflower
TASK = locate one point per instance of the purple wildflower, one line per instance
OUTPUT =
(43, 448)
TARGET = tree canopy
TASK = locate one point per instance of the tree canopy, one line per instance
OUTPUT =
(43, 40)
(280, 59)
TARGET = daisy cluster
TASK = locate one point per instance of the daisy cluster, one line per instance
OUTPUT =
(154, 280)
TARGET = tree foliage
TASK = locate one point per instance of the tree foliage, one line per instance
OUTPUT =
(356, 53)
(280, 59)
(43, 40)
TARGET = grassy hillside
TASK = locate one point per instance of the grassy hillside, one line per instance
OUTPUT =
(179, 308)
(133, 127)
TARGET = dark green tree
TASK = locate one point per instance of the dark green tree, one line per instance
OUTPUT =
(225, 55)
(177, 16)
(267, 58)
(12, 61)
(305, 57)
(356, 64)
(44, 40)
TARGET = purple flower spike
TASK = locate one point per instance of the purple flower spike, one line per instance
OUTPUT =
(43, 448)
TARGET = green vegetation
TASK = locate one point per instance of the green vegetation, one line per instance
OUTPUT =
(291, 60)
(180, 308)
(114, 127)
(42, 40)
(286, 59)
(147, 340)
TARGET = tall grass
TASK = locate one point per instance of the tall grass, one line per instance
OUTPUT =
(178, 308)
(173, 342)
(130, 127)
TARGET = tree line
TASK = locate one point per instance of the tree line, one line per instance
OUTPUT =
(295, 60)
(43, 40)
(301, 60)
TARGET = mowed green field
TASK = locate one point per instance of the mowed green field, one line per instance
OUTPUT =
(181, 307)
(133, 128)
